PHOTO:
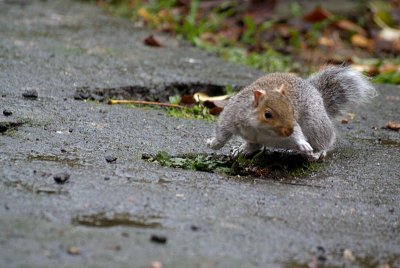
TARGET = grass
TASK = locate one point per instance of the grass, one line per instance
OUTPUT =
(296, 51)
(160, 15)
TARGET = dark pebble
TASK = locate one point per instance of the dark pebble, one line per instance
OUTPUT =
(7, 112)
(194, 228)
(107, 178)
(146, 156)
(111, 159)
(70, 130)
(391, 210)
(30, 94)
(350, 127)
(61, 178)
(125, 234)
(63, 150)
(160, 239)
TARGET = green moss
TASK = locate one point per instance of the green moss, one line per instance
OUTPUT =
(264, 164)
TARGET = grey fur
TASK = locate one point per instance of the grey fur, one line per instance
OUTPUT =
(315, 101)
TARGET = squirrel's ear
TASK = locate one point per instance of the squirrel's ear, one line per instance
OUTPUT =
(282, 89)
(258, 94)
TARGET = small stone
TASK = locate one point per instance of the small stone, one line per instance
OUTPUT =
(63, 150)
(61, 178)
(111, 159)
(72, 250)
(30, 94)
(106, 178)
(125, 234)
(348, 255)
(160, 239)
(7, 112)
(194, 228)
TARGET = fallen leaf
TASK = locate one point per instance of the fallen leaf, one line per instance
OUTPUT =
(72, 250)
(393, 126)
(389, 34)
(187, 99)
(155, 264)
(326, 41)
(388, 68)
(209, 38)
(350, 26)
(361, 41)
(216, 110)
(202, 97)
(152, 41)
(142, 12)
(316, 15)
(367, 68)
(344, 121)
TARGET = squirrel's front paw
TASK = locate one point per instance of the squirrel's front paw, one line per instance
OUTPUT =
(213, 144)
(247, 149)
(304, 147)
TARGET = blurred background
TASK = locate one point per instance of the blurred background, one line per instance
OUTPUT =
(279, 35)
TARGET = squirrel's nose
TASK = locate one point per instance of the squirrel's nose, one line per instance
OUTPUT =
(286, 132)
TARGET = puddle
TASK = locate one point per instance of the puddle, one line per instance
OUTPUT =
(117, 219)
(271, 164)
(149, 94)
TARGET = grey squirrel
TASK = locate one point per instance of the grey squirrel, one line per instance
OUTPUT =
(284, 111)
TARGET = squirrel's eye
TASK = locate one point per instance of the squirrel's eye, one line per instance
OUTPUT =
(267, 115)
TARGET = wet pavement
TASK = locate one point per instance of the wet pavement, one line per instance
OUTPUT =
(74, 191)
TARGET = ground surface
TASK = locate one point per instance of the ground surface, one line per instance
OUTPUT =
(346, 212)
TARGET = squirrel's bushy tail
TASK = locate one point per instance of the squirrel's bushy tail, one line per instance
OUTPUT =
(342, 88)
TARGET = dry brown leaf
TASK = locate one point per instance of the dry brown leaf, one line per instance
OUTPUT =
(72, 250)
(393, 126)
(152, 41)
(368, 68)
(318, 14)
(187, 99)
(208, 37)
(142, 12)
(326, 41)
(350, 26)
(344, 120)
(361, 41)
(389, 68)
(215, 107)
(216, 110)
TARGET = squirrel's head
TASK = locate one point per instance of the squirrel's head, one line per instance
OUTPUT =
(274, 110)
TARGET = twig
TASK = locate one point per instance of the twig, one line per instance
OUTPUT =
(112, 102)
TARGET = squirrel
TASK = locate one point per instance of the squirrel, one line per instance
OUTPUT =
(284, 111)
